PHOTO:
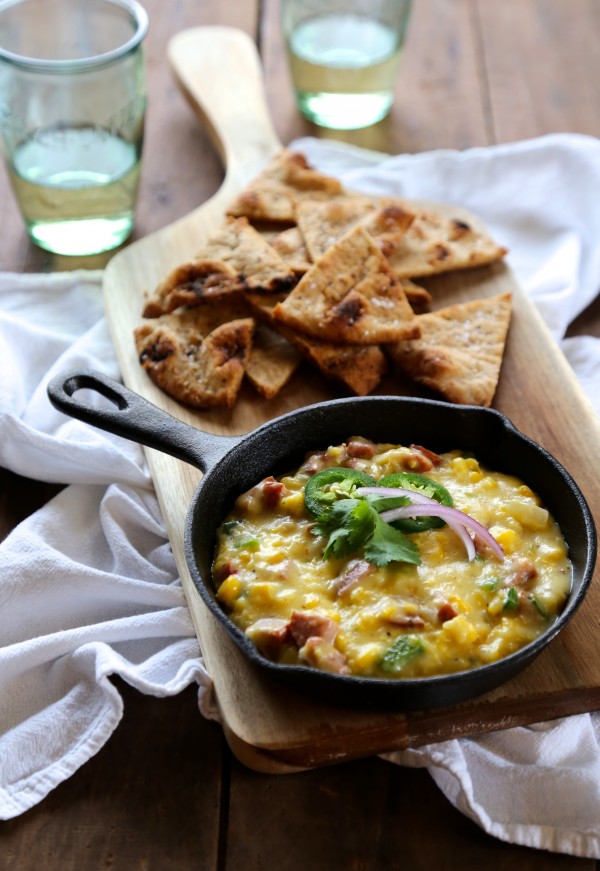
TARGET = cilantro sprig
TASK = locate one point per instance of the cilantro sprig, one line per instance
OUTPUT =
(352, 524)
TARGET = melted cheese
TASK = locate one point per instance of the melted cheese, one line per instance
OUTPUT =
(445, 615)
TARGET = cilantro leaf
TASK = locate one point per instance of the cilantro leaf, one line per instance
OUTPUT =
(352, 524)
(348, 524)
(388, 545)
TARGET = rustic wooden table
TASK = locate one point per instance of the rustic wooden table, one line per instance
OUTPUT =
(165, 792)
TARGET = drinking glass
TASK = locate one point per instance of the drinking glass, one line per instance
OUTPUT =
(343, 57)
(72, 106)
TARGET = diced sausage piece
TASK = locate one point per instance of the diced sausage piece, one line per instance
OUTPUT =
(483, 549)
(434, 458)
(523, 572)
(356, 570)
(322, 654)
(273, 491)
(266, 494)
(269, 634)
(417, 462)
(361, 448)
(314, 462)
(309, 624)
(447, 611)
(223, 571)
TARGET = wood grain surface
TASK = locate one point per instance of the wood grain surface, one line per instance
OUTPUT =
(268, 726)
(164, 792)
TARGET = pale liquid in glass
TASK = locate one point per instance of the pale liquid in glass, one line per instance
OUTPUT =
(76, 187)
(343, 69)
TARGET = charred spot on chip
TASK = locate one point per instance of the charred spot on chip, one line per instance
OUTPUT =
(350, 310)
(393, 218)
(158, 351)
(459, 229)
(440, 252)
(231, 341)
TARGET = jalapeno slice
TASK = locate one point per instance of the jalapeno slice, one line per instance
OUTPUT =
(320, 494)
(421, 484)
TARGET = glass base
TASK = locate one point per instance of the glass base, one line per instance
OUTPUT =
(344, 111)
(80, 238)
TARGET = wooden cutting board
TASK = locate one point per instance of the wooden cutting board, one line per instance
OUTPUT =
(269, 727)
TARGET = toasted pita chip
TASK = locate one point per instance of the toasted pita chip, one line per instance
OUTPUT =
(256, 262)
(289, 244)
(348, 296)
(234, 258)
(273, 194)
(358, 368)
(272, 362)
(321, 224)
(436, 243)
(459, 353)
(193, 361)
(191, 284)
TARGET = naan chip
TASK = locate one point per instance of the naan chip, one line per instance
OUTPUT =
(272, 362)
(194, 361)
(257, 263)
(273, 194)
(290, 246)
(358, 368)
(191, 284)
(436, 243)
(460, 351)
(322, 224)
(349, 296)
(234, 258)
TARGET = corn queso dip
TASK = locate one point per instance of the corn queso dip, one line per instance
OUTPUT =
(441, 613)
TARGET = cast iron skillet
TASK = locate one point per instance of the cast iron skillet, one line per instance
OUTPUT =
(233, 464)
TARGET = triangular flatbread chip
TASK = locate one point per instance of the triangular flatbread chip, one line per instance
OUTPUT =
(257, 263)
(348, 296)
(193, 360)
(272, 195)
(289, 244)
(358, 367)
(234, 258)
(272, 362)
(321, 224)
(436, 243)
(459, 353)
(191, 284)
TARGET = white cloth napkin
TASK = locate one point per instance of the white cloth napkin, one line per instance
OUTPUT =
(88, 587)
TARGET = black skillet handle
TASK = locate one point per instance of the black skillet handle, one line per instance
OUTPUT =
(136, 419)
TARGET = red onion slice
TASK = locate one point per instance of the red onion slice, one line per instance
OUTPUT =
(424, 506)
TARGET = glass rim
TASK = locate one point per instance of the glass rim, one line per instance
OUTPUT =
(84, 64)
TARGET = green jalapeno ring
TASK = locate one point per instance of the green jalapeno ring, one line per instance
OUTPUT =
(317, 495)
(424, 485)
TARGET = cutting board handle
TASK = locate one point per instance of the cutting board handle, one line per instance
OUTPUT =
(219, 71)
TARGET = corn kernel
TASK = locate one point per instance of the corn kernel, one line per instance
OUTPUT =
(230, 589)
(262, 593)
(508, 539)
(552, 553)
(528, 514)
(367, 656)
(461, 630)
(489, 484)
(293, 504)
(310, 600)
